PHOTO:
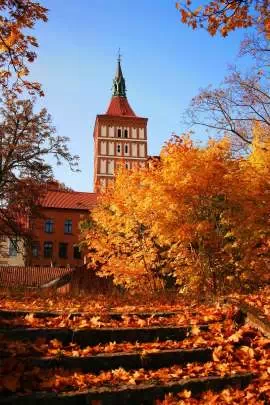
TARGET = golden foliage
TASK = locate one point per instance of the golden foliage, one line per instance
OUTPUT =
(16, 47)
(199, 215)
(224, 16)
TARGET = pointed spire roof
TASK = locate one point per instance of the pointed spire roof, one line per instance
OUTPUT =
(119, 84)
(118, 74)
(119, 105)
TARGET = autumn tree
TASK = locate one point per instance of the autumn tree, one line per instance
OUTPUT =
(224, 16)
(17, 49)
(233, 107)
(27, 139)
(242, 98)
(196, 215)
(120, 244)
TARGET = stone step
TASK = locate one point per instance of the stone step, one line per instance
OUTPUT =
(12, 314)
(94, 336)
(129, 394)
(128, 361)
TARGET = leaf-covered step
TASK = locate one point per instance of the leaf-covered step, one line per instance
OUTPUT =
(94, 336)
(64, 335)
(128, 361)
(126, 394)
(11, 314)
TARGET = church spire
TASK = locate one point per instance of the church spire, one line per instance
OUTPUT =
(119, 85)
(119, 105)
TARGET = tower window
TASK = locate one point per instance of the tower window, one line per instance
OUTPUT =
(126, 148)
(127, 165)
(119, 133)
(126, 133)
(118, 148)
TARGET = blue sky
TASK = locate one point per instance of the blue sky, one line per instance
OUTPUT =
(164, 63)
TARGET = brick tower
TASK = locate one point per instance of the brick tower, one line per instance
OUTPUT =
(119, 135)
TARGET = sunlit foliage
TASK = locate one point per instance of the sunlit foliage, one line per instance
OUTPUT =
(199, 215)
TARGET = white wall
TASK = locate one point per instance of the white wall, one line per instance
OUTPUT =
(111, 148)
(111, 132)
(103, 130)
(142, 150)
(134, 133)
(134, 149)
(111, 167)
(103, 148)
(141, 133)
(103, 164)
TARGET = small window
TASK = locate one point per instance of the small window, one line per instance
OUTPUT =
(48, 249)
(118, 148)
(48, 226)
(127, 165)
(63, 249)
(68, 226)
(119, 133)
(13, 247)
(126, 148)
(35, 249)
(126, 133)
(76, 252)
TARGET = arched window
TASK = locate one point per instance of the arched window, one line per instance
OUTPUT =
(125, 133)
(119, 148)
(119, 133)
(126, 148)
(127, 165)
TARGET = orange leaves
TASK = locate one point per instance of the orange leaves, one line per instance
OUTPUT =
(267, 27)
(184, 15)
(195, 215)
(16, 47)
(104, 321)
(225, 16)
(246, 355)
(30, 319)
(12, 37)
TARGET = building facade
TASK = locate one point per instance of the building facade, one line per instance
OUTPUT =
(56, 234)
(120, 137)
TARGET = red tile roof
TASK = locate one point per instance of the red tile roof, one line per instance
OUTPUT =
(16, 276)
(69, 199)
(119, 106)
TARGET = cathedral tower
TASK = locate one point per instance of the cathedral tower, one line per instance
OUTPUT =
(119, 135)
